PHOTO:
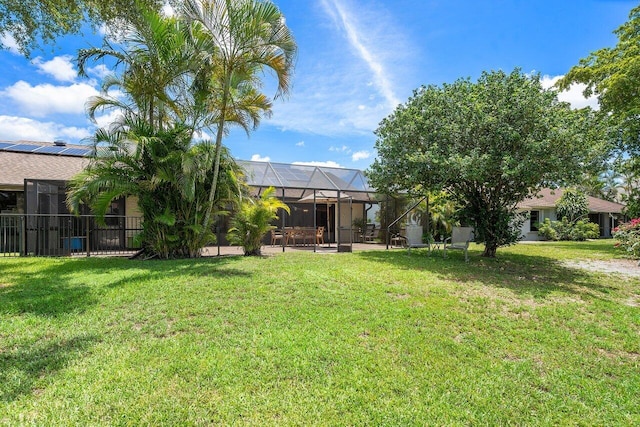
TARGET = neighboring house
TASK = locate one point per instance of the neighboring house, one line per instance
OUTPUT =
(602, 212)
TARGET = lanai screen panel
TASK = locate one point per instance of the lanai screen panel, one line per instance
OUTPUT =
(304, 177)
(260, 172)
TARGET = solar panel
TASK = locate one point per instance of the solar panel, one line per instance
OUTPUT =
(77, 151)
(46, 149)
(26, 148)
(50, 149)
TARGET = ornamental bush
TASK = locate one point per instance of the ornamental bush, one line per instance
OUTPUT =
(628, 237)
(583, 230)
(565, 230)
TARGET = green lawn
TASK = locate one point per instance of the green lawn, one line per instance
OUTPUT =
(369, 338)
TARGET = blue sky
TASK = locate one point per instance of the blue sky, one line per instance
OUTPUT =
(357, 60)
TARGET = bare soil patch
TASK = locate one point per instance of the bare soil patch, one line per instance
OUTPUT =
(625, 267)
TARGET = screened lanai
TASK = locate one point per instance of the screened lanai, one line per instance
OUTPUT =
(318, 196)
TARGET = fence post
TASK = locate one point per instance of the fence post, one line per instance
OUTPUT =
(87, 218)
(23, 231)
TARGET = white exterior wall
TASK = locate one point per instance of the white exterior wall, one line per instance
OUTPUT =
(529, 235)
(345, 220)
(131, 210)
(131, 207)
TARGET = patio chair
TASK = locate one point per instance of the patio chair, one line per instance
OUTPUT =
(291, 233)
(460, 239)
(370, 233)
(275, 236)
(398, 239)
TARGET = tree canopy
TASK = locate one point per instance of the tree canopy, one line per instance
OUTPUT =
(34, 23)
(243, 38)
(613, 74)
(489, 144)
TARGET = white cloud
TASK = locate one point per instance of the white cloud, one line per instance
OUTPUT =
(360, 155)
(329, 164)
(300, 144)
(100, 71)
(358, 38)
(258, 158)
(9, 43)
(104, 120)
(573, 95)
(60, 68)
(16, 128)
(343, 149)
(44, 99)
(331, 90)
(167, 10)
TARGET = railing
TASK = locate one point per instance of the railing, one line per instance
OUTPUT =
(397, 220)
(64, 235)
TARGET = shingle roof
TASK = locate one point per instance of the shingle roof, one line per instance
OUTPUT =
(548, 198)
(16, 167)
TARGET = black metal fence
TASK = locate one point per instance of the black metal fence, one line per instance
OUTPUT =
(64, 235)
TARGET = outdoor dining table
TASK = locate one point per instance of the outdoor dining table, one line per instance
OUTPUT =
(304, 233)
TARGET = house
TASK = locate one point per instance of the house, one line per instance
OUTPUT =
(35, 217)
(602, 212)
(27, 164)
(34, 176)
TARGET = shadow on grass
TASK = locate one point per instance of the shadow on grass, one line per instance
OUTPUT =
(53, 287)
(21, 368)
(532, 275)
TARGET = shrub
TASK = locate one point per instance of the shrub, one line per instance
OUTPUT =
(628, 237)
(565, 230)
(583, 230)
(546, 231)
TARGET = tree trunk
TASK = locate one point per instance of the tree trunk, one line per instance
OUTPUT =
(216, 164)
(490, 250)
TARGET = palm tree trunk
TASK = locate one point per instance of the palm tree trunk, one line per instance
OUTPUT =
(216, 163)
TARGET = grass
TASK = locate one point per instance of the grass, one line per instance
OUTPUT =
(369, 338)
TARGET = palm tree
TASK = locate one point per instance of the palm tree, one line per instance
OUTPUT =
(244, 37)
(151, 153)
(157, 63)
(182, 76)
(611, 181)
(253, 220)
(169, 175)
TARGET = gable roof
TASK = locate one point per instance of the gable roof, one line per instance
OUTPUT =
(547, 199)
(15, 167)
(46, 161)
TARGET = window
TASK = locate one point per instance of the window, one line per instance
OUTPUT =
(8, 201)
(534, 219)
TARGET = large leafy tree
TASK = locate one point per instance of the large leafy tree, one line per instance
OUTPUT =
(32, 23)
(244, 37)
(489, 144)
(613, 74)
